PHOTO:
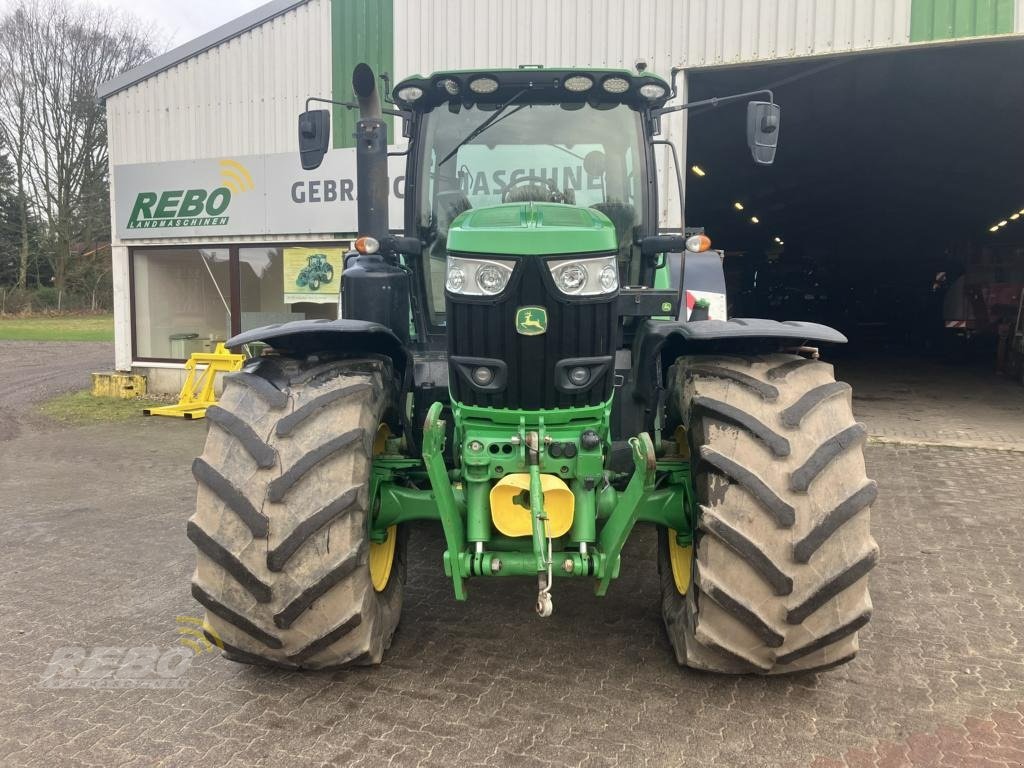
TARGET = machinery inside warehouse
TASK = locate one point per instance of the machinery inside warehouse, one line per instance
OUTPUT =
(895, 208)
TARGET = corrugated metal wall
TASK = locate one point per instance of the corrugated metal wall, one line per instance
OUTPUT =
(945, 19)
(440, 34)
(238, 98)
(362, 31)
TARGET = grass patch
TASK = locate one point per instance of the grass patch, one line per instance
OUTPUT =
(81, 407)
(57, 328)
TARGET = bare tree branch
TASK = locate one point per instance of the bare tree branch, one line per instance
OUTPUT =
(54, 55)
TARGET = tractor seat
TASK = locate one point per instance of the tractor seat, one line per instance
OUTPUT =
(534, 193)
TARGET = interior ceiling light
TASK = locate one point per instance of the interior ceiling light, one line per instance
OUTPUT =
(698, 170)
(754, 220)
(1014, 217)
(1021, 211)
(993, 229)
(738, 205)
(1001, 223)
(778, 240)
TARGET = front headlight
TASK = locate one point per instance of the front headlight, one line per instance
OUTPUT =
(477, 277)
(586, 277)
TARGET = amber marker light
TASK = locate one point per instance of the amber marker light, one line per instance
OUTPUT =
(698, 243)
(366, 245)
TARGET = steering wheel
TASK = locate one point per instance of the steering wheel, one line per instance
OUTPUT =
(556, 195)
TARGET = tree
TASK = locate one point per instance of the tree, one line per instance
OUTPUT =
(9, 226)
(53, 58)
(14, 130)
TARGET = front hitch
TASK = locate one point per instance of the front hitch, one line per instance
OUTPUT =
(542, 545)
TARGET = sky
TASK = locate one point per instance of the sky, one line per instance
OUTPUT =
(183, 20)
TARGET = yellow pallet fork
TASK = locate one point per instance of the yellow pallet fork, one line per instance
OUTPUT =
(197, 392)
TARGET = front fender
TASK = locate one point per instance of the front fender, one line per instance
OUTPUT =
(304, 337)
(657, 341)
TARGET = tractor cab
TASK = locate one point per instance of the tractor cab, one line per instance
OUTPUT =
(553, 137)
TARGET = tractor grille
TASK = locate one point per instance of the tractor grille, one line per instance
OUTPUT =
(577, 328)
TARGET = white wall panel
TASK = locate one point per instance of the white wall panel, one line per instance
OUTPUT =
(447, 34)
(241, 97)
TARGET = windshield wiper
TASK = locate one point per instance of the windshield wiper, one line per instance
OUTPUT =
(481, 128)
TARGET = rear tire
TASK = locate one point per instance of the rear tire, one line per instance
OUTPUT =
(280, 526)
(783, 545)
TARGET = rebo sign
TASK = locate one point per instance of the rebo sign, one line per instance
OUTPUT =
(249, 195)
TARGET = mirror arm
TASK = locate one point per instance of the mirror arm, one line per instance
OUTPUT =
(714, 101)
(675, 73)
(346, 104)
(386, 79)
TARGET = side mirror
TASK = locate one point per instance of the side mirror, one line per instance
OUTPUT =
(763, 130)
(314, 136)
(652, 245)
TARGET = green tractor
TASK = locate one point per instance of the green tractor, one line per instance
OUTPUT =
(537, 368)
(318, 270)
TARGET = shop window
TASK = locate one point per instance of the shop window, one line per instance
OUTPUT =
(184, 297)
(182, 300)
(279, 284)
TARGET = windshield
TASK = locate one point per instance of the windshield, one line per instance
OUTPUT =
(491, 154)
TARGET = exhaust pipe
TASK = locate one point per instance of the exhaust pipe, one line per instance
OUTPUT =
(371, 155)
(374, 287)
(364, 83)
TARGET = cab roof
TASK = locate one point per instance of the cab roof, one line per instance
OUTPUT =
(541, 85)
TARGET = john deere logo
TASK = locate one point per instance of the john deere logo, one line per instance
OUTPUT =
(531, 321)
(191, 207)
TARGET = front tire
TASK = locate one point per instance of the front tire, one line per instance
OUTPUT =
(782, 546)
(282, 543)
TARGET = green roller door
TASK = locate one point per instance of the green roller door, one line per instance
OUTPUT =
(947, 19)
(361, 30)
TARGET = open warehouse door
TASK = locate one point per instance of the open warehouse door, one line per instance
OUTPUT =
(895, 208)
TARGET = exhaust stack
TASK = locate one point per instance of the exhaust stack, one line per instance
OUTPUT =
(374, 287)
(371, 155)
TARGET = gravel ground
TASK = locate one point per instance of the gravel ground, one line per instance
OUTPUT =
(34, 371)
(97, 564)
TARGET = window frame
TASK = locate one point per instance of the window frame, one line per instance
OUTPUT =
(234, 280)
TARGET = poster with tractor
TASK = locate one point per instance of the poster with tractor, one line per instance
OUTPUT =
(312, 274)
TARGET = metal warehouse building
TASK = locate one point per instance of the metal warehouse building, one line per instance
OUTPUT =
(901, 149)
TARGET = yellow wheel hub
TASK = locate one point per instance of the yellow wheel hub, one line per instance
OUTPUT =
(382, 555)
(382, 558)
(681, 559)
(380, 440)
